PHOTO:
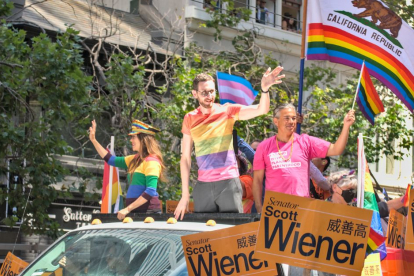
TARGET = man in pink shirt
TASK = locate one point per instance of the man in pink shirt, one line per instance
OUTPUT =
(284, 158)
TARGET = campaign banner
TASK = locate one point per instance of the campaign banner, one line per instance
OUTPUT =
(12, 265)
(409, 236)
(372, 265)
(171, 205)
(313, 234)
(227, 251)
(396, 230)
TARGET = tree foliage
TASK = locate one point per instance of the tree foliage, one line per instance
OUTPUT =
(42, 89)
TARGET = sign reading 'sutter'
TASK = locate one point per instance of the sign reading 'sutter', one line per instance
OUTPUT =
(228, 251)
(313, 234)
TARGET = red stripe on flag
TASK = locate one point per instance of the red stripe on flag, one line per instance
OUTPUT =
(370, 90)
(377, 238)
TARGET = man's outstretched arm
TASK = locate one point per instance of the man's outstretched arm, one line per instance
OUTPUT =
(185, 166)
(340, 144)
(269, 78)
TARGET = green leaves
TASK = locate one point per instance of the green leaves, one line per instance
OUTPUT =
(327, 107)
(43, 89)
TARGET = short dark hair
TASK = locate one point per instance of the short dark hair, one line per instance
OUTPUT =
(201, 77)
(328, 162)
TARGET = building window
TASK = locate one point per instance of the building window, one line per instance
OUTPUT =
(133, 6)
(291, 15)
(211, 4)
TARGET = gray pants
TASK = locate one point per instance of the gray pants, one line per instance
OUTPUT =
(224, 196)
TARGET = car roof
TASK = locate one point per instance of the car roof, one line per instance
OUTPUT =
(157, 225)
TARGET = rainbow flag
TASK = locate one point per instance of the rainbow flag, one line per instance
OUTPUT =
(406, 197)
(117, 202)
(398, 262)
(367, 97)
(342, 32)
(234, 89)
(376, 240)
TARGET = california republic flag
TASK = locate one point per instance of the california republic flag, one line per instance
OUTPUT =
(349, 32)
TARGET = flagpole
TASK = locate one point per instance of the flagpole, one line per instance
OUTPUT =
(111, 174)
(302, 62)
(359, 84)
(361, 172)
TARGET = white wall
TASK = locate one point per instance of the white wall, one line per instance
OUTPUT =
(172, 11)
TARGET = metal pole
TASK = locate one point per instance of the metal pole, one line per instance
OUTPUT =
(359, 83)
(302, 61)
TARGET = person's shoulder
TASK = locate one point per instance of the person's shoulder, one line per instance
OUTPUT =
(303, 137)
(128, 157)
(306, 137)
(151, 157)
(192, 113)
(266, 142)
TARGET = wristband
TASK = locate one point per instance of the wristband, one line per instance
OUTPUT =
(265, 91)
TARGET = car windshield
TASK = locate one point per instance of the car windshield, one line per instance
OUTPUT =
(114, 252)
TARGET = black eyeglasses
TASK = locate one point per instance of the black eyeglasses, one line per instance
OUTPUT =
(206, 93)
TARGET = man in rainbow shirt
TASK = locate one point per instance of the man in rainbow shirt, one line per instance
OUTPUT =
(209, 128)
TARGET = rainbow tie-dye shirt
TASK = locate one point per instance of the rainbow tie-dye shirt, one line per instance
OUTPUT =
(213, 140)
(145, 178)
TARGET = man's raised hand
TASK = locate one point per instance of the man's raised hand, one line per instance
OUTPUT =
(271, 77)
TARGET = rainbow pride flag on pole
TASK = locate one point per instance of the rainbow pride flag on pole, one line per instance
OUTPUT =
(406, 196)
(376, 240)
(342, 32)
(235, 89)
(367, 97)
(111, 190)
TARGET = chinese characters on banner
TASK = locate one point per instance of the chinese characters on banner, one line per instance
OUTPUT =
(409, 236)
(372, 265)
(313, 234)
(396, 230)
(227, 251)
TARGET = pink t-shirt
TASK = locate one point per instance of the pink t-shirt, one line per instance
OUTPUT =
(291, 177)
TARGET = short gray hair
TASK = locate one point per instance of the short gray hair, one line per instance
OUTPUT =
(276, 111)
(348, 182)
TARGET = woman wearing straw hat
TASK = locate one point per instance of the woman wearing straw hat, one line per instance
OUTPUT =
(144, 168)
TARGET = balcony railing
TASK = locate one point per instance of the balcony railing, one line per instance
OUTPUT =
(280, 14)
